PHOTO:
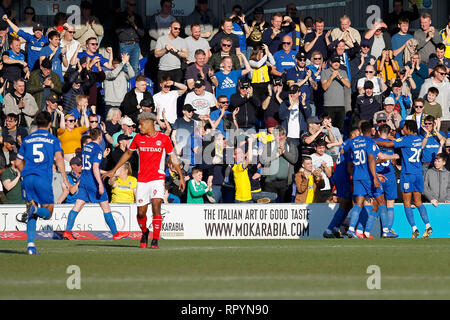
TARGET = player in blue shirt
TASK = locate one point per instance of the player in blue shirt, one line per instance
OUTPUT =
(389, 183)
(36, 155)
(366, 183)
(411, 178)
(91, 188)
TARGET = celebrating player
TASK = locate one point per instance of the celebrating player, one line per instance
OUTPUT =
(36, 156)
(152, 147)
(91, 187)
(366, 183)
(411, 178)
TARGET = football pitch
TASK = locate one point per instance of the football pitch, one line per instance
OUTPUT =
(227, 269)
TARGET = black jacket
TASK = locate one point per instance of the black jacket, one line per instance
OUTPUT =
(246, 117)
(129, 104)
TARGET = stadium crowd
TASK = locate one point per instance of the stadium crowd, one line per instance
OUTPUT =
(292, 88)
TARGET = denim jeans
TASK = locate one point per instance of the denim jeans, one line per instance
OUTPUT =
(134, 51)
(217, 193)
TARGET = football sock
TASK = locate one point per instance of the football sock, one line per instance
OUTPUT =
(142, 222)
(390, 218)
(31, 229)
(354, 216)
(373, 216)
(337, 218)
(110, 222)
(71, 220)
(157, 221)
(424, 214)
(363, 218)
(43, 213)
(410, 217)
(382, 212)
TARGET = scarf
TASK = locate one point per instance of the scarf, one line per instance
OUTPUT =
(410, 49)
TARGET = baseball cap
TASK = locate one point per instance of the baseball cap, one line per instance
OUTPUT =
(38, 26)
(199, 83)
(127, 121)
(294, 89)
(397, 83)
(277, 81)
(381, 117)
(76, 161)
(78, 79)
(335, 59)
(389, 100)
(259, 10)
(123, 137)
(53, 98)
(46, 63)
(83, 60)
(365, 42)
(314, 120)
(368, 85)
(244, 83)
(9, 139)
(12, 156)
(271, 122)
(300, 55)
(188, 107)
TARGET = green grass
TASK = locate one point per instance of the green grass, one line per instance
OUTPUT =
(228, 269)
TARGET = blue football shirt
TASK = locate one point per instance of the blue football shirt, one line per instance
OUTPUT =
(411, 147)
(90, 154)
(341, 174)
(386, 168)
(361, 148)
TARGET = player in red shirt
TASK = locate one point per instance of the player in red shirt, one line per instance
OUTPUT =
(152, 147)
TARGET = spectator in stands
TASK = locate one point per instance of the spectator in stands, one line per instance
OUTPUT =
(431, 107)
(403, 102)
(419, 73)
(225, 32)
(408, 84)
(323, 162)
(56, 111)
(55, 53)
(123, 185)
(447, 153)
(130, 30)
(387, 67)
(379, 38)
(89, 26)
(240, 28)
(334, 81)
(332, 148)
(21, 103)
(439, 81)
(400, 40)
(14, 65)
(11, 180)
(35, 42)
(427, 37)
(220, 118)
(273, 36)
(92, 45)
(82, 106)
(13, 129)
(199, 70)
(359, 63)
(59, 20)
(203, 15)
(247, 104)
(392, 19)
(6, 151)
(366, 104)
(73, 47)
(285, 58)
(160, 23)
(378, 85)
(388, 115)
(196, 42)
(315, 134)
(261, 61)
(202, 100)
(317, 40)
(275, 95)
(29, 20)
(293, 113)
(183, 128)
(346, 32)
(240, 169)
(70, 134)
(112, 120)
(308, 182)
(166, 99)
(278, 159)
(171, 49)
(417, 113)
(116, 81)
(439, 58)
(225, 51)
(433, 140)
(197, 188)
(437, 181)
(257, 26)
(445, 36)
(43, 82)
(130, 104)
(74, 179)
(228, 78)
(4, 39)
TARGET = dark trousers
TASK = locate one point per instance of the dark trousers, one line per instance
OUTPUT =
(280, 187)
(337, 114)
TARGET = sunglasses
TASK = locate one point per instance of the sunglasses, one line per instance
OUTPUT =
(369, 71)
(95, 121)
(176, 28)
(286, 43)
(317, 58)
(29, 12)
(224, 102)
(226, 45)
(71, 120)
(70, 31)
(302, 59)
(442, 73)
(418, 106)
(428, 123)
(93, 44)
(380, 121)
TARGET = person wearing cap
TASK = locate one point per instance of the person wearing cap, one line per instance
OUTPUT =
(366, 104)
(21, 103)
(202, 100)
(11, 179)
(6, 151)
(360, 62)
(56, 111)
(35, 42)
(74, 179)
(182, 129)
(315, 134)
(403, 102)
(303, 77)
(123, 141)
(247, 105)
(42, 82)
(166, 99)
(257, 26)
(334, 82)
(126, 128)
(388, 115)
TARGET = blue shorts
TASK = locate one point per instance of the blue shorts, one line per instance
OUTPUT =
(34, 189)
(91, 195)
(366, 188)
(343, 190)
(390, 188)
(411, 183)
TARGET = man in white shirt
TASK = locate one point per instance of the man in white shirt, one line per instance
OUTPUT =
(195, 42)
(202, 100)
(324, 162)
(166, 99)
(72, 45)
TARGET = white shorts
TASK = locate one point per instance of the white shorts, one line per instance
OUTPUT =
(146, 191)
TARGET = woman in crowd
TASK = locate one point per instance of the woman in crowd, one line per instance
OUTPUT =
(123, 186)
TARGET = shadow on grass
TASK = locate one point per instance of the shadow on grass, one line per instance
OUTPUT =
(6, 251)
(106, 245)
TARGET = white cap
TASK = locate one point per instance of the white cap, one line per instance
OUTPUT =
(127, 121)
(389, 100)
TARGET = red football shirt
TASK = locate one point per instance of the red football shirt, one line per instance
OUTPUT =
(152, 155)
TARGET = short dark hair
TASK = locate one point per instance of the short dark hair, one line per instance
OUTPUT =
(321, 143)
(95, 133)
(53, 34)
(440, 46)
(43, 118)
(304, 158)
(433, 90)
(384, 129)
(411, 125)
(195, 170)
(13, 116)
(441, 156)
(366, 127)
(430, 118)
